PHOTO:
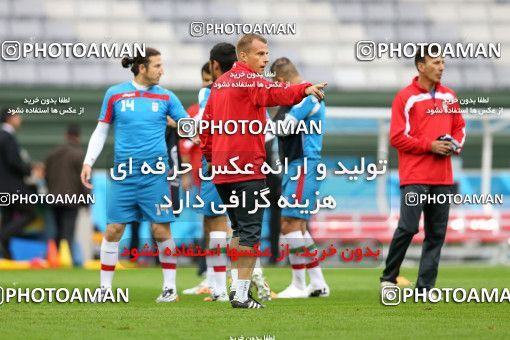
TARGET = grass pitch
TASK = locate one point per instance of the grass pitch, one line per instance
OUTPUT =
(353, 310)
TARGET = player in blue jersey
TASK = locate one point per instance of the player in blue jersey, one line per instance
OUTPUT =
(138, 110)
(297, 147)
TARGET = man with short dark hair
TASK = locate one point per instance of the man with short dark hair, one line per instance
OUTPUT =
(241, 94)
(221, 58)
(13, 170)
(63, 167)
(426, 129)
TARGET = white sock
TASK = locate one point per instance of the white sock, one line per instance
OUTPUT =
(313, 267)
(109, 257)
(296, 241)
(257, 270)
(168, 264)
(219, 262)
(243, 286)
(209, 276)
(234, 274)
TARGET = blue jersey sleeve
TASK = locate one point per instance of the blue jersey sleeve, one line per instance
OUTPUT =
(203, 96)
(175, 109)
(107, 112)
(308, 106)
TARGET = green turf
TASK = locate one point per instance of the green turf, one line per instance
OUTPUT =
(352, 311)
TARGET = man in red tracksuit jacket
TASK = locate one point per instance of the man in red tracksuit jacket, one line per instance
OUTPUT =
(426, 129)
(242, 94)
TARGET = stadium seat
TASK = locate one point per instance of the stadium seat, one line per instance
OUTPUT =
(161, 32)
(4, 31)
(291, 10)
(443, 32)
(21, 73)
(473, 13)
(383, 77)
(24, 29)
(60, 29)
(454, 76)
(476, 32)
(379, 12)
(347, 33)
(448, 13)
(381, 32)
(411, 12)
(126, 31)
(500, 33)
(89, 30)
(116, 72)
(254, 10)
(191, 10)
(317, 55)
(480, 76)
(94, 9)
(158, 10)
(499, 12)
(339, 22)
(317, 34)
(318, 12)
(349, 12)
(4, 9)
(412, 32)
(27, 8)
(88, 73)
(193, 54)
(189, 75)
(62, 9)
(55, 73)
(351, 77)
(126, 9)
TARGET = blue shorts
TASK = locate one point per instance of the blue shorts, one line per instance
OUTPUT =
(139, 198)
(303, 187)
(209, 194)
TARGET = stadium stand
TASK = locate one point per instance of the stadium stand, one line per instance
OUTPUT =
(340, 22)
(327, 55)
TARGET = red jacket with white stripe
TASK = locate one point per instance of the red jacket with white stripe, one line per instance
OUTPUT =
(414, 127)
(234, 102)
